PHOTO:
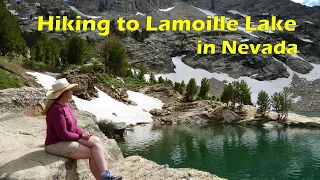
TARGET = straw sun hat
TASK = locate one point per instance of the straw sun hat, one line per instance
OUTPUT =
(58, 87)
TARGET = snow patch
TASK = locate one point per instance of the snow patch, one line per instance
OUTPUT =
(245, 40)
(248, 32)
(105, 107)
(237, 12)
(313, 75)
(309, 22)
(168, 9)
(139, 13)
(84, 15)
(14, 12)
(145, 102)
(208, 13)
(306, 40)
(297, 99)
(44, 80)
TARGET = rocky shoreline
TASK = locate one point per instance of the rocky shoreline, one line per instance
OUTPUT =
(22, 155)
(24, 130)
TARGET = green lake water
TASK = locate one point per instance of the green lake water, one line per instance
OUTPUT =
(308, 114)
(230, 151)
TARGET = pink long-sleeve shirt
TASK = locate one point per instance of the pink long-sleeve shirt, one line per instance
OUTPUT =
(61, 125)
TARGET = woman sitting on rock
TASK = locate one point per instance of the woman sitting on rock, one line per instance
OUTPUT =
(65, 138)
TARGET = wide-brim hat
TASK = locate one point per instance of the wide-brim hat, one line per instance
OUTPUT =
(58, 87)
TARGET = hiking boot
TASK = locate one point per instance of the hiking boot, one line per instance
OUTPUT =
(106, 175)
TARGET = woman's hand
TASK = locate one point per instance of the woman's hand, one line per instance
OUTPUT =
(86, 136)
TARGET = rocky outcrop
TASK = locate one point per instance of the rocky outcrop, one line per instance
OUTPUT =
(85, 88)
(225, 115)
(22, 154)
(112, 130)
(296, 64)
(16, 100)
(286, 8)
(308, 93)
(147, 170)
(260, 67)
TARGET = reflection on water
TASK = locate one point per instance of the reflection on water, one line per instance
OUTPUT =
(230, 151)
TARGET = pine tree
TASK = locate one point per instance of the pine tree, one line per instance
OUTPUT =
(74, 51)
(227, 94)
(46, 51)
(142, 72)
(241, 93)
(11, 40)
(168, 82)
(136, 35)
(152, 79)
(144, 34)
(204, 89)
(281, 103)
(263, 103)
(287, 102)
(113, 26)
(160, 80)
(176, 86)
(191, 90)
(276, 103)
(114, 54)
(181, 87)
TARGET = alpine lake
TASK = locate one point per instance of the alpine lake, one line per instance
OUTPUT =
(230, 151)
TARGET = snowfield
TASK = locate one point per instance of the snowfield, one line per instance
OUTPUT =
(168, 9)
(306, 40)
(184, 73)
(237, 12)
(107, 108)
(84, 15)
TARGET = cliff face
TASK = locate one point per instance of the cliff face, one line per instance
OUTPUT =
(127, 6)
(285, 8)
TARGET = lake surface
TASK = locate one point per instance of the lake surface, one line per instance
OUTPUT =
(308, 114)
(230, 151)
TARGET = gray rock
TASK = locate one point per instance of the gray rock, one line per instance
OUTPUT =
(136, 167)
(112, 130)
(22, 154)
(273, 124)
(296, 64)
(315, 60)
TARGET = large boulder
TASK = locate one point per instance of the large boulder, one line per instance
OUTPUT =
(15, 100)
(22, 154)
(144, 169)
(225, 115)
(85, 88)
(112, 130)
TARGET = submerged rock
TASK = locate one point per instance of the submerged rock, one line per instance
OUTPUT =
(273, 124)
(112, 130)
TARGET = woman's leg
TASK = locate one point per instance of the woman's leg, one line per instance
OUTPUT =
(84, 152)
(97, 152)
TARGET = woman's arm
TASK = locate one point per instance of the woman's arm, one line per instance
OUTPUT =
(59, 123)
(78, 130)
